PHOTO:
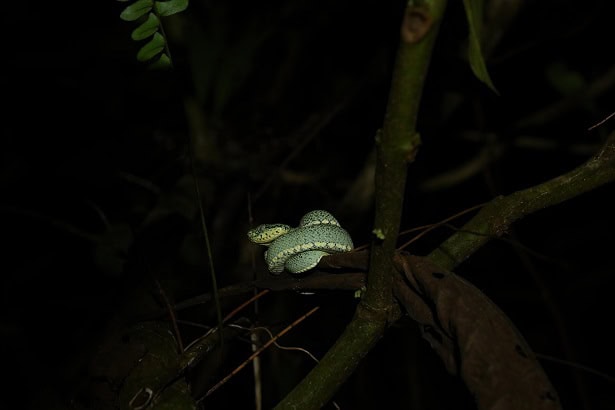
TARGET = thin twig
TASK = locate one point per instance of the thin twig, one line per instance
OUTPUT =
(441, 223)
(169, 306)
(578, 366)
(256, 353)
(228, 317)
(214, 282)
(256, 366)
(244, 304)
(601, 122)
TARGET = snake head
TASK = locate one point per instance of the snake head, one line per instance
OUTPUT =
(267, 233)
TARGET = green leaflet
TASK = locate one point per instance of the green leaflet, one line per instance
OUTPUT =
(170, 7)
(474, 13)
(149, 27)
(151, 49)
(162, 63)
(136, 10)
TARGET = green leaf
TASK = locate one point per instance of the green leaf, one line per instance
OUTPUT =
(162, 63)
(136, 10)
(170, 7)
(564, 79)
(152, 48)
(474, 14)
(149, 27)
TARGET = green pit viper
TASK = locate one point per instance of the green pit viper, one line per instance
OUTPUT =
(300, 249)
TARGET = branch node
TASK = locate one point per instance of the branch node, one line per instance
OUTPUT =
(417, 22)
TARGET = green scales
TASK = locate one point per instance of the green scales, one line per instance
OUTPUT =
(300, 249)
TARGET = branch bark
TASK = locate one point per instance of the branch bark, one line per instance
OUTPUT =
(495, 218)
(397, 145)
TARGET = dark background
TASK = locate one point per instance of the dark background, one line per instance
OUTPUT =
(282, 101)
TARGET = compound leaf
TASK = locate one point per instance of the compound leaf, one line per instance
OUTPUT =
(149, 14)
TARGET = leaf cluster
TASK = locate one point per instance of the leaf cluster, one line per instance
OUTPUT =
(149, 13)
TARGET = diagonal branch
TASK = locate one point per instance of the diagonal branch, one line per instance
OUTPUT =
(495, 218)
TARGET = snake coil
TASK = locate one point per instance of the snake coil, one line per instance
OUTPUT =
(300, 249)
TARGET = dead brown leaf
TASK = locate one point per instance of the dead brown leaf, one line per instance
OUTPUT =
(474, 338)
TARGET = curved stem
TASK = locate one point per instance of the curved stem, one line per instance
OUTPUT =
(494, 219)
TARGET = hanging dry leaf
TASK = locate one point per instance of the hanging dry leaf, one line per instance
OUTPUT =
(474, 338)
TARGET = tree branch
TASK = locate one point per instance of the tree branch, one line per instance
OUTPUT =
(495, 218)
(397, 145)
(398, 142)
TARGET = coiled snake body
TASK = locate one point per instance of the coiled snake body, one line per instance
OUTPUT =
(300, 249)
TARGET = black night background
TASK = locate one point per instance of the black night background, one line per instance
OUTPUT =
(281, 102)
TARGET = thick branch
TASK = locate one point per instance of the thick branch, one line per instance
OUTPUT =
(495, 218)
(398, 142)
(318, 387)
(397, 145)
